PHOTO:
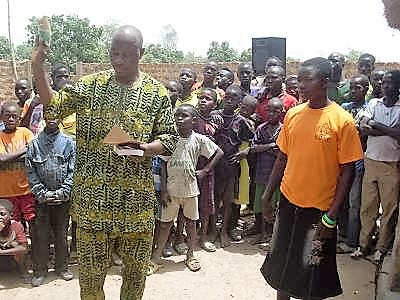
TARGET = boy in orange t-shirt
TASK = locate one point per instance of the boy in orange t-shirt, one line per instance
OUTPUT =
(14, 184)
(318, 146)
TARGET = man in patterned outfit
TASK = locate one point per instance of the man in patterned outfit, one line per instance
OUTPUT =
(113, 195)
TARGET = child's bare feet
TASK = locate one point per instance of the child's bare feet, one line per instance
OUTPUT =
(181, 248)
(193, 264)
(225, 240)
(259, 239)
(208, 246)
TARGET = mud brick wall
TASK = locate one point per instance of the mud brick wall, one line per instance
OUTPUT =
(162, 72)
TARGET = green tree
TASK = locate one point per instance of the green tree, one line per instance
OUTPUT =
(190, 57)
(221, 52)
(246, 55)
(23, 51)
(158, 54)
(74, 40)
(353, 55)
(5, 52)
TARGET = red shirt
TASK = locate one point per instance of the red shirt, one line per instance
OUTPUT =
(17, 227)
(262, 105)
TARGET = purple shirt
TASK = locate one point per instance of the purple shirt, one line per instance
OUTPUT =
(265, 134)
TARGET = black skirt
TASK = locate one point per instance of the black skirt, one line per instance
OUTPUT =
(288, 266)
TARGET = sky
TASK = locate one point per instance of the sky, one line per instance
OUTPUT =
(311, 27)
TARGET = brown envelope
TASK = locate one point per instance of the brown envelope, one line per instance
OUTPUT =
(117, 136)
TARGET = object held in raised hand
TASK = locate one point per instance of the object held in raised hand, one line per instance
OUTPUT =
(44, 31)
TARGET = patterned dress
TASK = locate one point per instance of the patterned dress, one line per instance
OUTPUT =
(113, 196)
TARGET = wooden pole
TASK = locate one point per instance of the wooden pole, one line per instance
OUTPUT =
(14, 65)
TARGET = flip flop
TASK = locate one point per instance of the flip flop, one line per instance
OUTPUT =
(208, 246)
(193, 264)
(152, 268)
(181, 248)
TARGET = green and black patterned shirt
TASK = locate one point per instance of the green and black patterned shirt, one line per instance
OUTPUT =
(114, 193)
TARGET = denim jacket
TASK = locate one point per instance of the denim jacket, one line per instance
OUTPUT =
(50, 160)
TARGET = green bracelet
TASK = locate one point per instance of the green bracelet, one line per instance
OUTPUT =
(328, 220)
(326, 224)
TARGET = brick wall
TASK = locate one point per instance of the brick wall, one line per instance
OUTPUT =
(162, 72)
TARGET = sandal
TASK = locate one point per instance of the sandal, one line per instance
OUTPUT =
(152, 268)
(181, 248)
(193, 264)
(208, 246)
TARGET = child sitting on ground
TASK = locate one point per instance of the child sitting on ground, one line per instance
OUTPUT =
(13, 241)
(182, 185)
(234, 130)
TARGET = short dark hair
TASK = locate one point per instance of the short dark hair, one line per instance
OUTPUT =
(365, 80)
(189, 107)
(212, 91)
(237, 88)
(250, 100)
(9, 103)
(7, 205)
(395, 78)
(59, 66)
(367, 56)
(280, 62)
(228, 70)
(322, 65)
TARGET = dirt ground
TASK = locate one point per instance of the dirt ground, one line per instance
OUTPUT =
(230, 273)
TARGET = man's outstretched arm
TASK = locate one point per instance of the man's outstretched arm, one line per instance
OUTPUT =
(39, 56)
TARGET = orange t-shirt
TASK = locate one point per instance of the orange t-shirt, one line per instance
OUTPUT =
(316, 142)
(13, 178)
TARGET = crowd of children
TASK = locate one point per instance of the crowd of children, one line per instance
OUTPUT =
(219, 171)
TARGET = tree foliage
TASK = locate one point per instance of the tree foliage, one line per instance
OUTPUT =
(23, 51)
(74, 39)
(5, 51)
(158, 54)
(353, 55)
(246, 55)
(221, 52)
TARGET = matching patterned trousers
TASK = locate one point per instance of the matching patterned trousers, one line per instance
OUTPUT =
(94, 254)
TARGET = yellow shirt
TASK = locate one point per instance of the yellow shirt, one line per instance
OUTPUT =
(316, 142)
(191, 99)
(68, 126)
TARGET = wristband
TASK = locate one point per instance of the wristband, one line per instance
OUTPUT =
(327, 225)
(328, 222)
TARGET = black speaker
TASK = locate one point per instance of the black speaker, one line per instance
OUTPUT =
(262, 48)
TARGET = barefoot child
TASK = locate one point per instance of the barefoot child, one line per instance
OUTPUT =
(182, 185)
(13, 242)
(234, 130)
(264, 146)
(204, 125)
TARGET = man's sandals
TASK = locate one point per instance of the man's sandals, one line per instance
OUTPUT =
(193, 264)
(152, 268)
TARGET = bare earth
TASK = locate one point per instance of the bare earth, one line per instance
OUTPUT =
(232, 273)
